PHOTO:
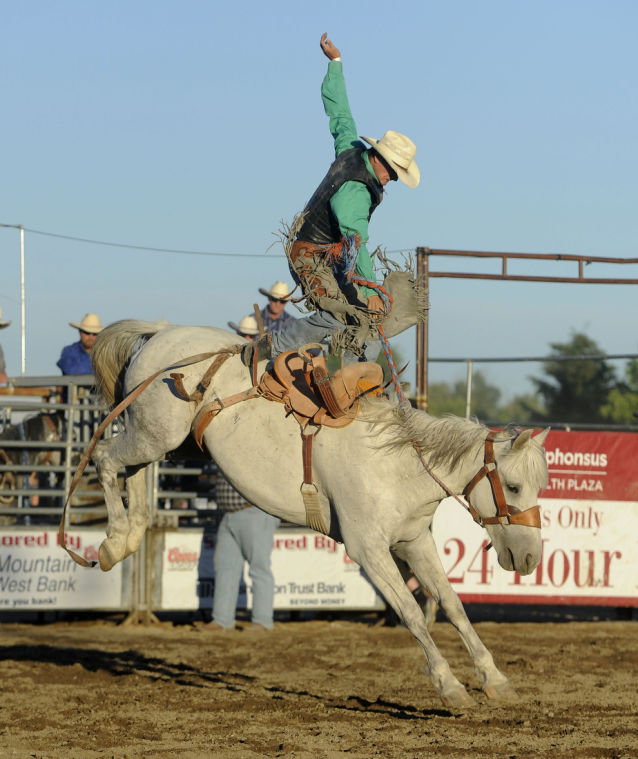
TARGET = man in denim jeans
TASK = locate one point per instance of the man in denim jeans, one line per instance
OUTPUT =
(245, 534)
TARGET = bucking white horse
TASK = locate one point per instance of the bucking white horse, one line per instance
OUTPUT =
(375, 495)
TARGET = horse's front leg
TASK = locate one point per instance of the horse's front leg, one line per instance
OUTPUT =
(113, 547)
(378, 563)
(422, 556)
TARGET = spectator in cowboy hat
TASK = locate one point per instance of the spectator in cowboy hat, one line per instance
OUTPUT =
(3, 367)
(245, 533)
(247, 327)
(76, 358)
(273, 315)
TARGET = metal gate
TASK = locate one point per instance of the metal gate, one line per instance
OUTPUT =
(35, 475)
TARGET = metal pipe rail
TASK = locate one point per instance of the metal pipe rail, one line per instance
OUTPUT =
(581, 260)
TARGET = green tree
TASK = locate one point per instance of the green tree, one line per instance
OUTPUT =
(523, 409)
(575, 391)
(446, 399)
(622, 401)
(451, 399)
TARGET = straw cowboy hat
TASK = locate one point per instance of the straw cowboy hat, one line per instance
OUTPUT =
(247, 326)
(279, 291)
(399, 151)
(90, 323)
(3, 324)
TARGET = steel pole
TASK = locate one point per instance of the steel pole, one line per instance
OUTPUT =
(468, 390)
(23, 334)
(422, 277)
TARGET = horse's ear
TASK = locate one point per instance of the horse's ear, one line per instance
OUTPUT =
(542, 436)
(522, 439)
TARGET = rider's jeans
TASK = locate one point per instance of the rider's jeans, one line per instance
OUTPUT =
(244, 535)
(314, 329)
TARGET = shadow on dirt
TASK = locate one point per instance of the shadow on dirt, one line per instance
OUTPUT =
(132, 663)
(122, 664)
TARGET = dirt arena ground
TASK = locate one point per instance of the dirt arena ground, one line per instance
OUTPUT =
(96, 689)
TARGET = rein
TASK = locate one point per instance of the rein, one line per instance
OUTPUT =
(505, 513)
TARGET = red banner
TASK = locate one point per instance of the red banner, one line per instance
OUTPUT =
(600, 466)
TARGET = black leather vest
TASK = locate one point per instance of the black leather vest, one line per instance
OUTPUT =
(320, 226)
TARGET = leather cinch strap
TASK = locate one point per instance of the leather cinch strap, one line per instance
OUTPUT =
(309, 492)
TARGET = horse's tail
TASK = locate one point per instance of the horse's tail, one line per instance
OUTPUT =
(112, 349)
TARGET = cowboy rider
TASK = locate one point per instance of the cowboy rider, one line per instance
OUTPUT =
(343, 203)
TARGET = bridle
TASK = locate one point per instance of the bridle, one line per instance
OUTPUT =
(506, 514)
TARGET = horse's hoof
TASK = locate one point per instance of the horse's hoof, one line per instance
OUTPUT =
(501, 692)
(107, 561)
(457, 700)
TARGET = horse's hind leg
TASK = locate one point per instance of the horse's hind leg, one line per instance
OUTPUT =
(113, 548)
(124, 531)
(423, 557)
(378, 563)
(137, 507)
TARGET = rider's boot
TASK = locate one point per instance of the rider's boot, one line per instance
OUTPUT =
(263, 347)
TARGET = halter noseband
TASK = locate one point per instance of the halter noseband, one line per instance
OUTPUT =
(529, 518)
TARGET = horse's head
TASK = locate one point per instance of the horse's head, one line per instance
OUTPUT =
(503, 498)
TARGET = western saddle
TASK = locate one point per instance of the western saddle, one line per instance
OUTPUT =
(300, 380)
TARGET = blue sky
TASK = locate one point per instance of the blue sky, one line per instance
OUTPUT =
(199, 126)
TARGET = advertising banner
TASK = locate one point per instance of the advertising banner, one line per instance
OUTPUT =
(589, 525)
(594, 466)
(37, 574)
(311, 571)
(314, 571)
(589, 535)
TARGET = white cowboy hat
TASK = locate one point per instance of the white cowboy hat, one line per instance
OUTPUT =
(3, 324)
(279, 291)
(399, 151)
(247, 326)
(90, 323)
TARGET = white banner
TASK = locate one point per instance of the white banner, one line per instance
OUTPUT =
(310, 571)
(590, 555)
(37, 574)
(313, 571)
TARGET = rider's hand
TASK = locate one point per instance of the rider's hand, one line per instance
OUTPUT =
(375, 303)
(328, 48)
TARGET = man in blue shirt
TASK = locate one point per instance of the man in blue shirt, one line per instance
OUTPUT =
(76, 358)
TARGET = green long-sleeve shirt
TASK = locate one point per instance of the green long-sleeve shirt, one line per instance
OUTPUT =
(351, 203)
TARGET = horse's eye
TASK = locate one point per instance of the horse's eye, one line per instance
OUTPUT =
(512, 488)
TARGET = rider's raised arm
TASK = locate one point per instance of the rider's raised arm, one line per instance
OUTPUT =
(328, 48)
(335, 101)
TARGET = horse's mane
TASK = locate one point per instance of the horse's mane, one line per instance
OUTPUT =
(445, 440)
